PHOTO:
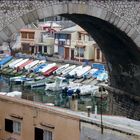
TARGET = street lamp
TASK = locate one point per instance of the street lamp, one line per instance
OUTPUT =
(102, 92)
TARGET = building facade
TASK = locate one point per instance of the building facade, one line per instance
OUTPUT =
(76, 44)
(98, 55)
(26, 120)
(29, 37)
(36, 41)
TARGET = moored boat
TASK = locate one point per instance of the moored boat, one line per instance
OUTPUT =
(60, 69)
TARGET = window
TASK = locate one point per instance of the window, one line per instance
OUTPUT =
(8, 125)
(79, 36)
(12, 126)
(41, 134)
(45, 49)
(80, 52)
(31, 35)
(61, 43)
(47, 135)
(40, 49)
(38, 134)
(23, 35)
(98, 53)
(16, 127)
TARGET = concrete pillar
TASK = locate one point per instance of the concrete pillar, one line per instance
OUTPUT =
(74, 103)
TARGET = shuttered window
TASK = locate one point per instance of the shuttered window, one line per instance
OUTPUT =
(41, 134)
(38, 134)
(8, 125)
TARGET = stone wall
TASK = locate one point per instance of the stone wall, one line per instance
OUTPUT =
(124, 105)
(93, 132)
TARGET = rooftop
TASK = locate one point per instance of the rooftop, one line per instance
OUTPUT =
(118, 123)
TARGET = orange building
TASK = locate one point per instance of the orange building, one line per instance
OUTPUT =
(29, 37)
(26, 120)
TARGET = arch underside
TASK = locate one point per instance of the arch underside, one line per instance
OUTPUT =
(121, 53)
(118, 46)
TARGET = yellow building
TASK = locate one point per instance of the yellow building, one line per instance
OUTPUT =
(74, 43)
(33, 41)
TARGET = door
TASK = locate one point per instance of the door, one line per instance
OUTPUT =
(72, 54)
(66, 53)
(61, 51)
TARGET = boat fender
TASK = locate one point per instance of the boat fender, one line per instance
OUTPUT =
(70, 92)
(64, 90)
(77, 91)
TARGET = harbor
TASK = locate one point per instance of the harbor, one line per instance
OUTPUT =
(57, 88)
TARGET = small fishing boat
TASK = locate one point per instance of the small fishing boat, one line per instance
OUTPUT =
(41, 66)
(5, 60)
(7, 64)
(98, 72)
(15, 62)
(60, 69)
(22, 80)
(67, 70)
(14, 94)
(39, 83)
(30, 65)
(59, 83)
(47, 67)
(20, 63)
(80, 89)
(102, 76)
(80, 73)
(24, 64)
(73, 73)
(89, 74)
(50, 71)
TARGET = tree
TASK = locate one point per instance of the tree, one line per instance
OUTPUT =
(11, 41)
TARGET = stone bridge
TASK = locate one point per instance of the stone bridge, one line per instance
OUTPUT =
(114, 24)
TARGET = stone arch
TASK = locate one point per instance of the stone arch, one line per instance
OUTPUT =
(95, 14)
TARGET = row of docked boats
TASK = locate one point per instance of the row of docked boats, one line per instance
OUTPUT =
(35, 73)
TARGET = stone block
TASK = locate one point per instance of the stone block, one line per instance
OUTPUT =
(128, 28)
(34, 13)
(112, 18)
(120, 23)
(108, 16)
(81, 8)
(7, 31)
(12, 28)
(19, 23)
(131, 32)
(124, 26)
(25, 19)
(59, 9)
(31, 17)
(40, 13)
(97, 12)
(134, 35)
(117, 19)
(3, 36)
(137, 40)
(1, 41)
(72, 8)
(103, 14)
(48, 11)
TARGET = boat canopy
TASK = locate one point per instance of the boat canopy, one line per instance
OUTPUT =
(5, 60)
